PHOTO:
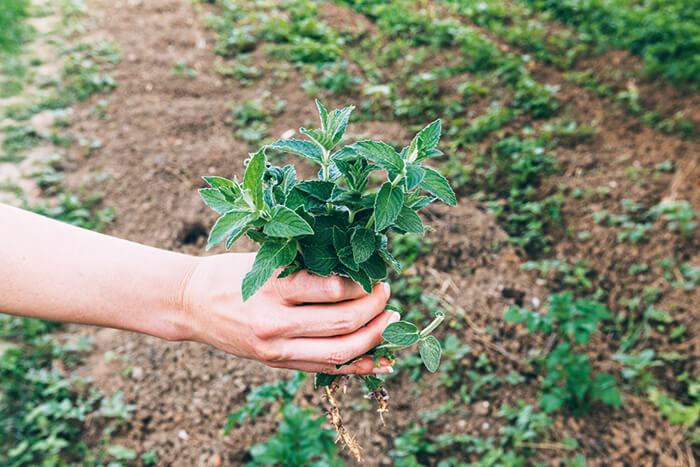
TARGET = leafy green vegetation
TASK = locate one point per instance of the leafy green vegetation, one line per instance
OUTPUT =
(13, 26)
(567, 372)
(664, 33)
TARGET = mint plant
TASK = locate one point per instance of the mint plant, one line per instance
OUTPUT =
(335, 224)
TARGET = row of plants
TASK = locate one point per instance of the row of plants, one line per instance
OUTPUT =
(665, 33)
(508, 174)
(44, 407)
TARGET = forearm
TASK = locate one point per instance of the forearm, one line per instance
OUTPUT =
(55, 271)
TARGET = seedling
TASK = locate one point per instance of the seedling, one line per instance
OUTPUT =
(336, 224)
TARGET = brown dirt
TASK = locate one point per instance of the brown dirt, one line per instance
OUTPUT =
(165, 131)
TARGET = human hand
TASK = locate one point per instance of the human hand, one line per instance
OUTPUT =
(303, 322)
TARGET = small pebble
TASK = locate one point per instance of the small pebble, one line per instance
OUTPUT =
(182, 434)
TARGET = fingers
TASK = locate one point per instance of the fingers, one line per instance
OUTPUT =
(305, 287)
(363, 366)
(340, 349)
(336, 319)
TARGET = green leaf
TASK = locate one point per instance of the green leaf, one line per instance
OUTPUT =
(286, 223)
(253, 178)
(320, 259)
(382, 154)
(216, 182)
(319, 189)
(227, 223)
(216, 200)
(323, 379)
(429, 136)
(319, 137)
(437, 185)
(515, 315)
(401, 333)
(121, 453)
(430, 352)
(373, 383)
(374, 267)
(289, 180)
(300, 148)
(414, 175)
(346, 258)
(337, 122)
(409, 221)
(361, 278)
(550, 402)
(289, 270)
(235, 235)
(387, 206)
(272, 255)
(323, 114)
(363, 244)
(383, 251)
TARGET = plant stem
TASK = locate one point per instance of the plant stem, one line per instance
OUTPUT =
(433, 324)
(370, 221)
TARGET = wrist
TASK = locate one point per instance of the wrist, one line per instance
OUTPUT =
(182, 323)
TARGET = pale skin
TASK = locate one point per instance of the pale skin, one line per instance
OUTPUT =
(51, 270)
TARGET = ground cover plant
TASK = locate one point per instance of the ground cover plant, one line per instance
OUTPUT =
(337, 224)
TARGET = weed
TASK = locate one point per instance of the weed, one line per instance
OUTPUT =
(568, 380)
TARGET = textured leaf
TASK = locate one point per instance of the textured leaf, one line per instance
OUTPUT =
(227, 223)
(323, 230)
(319, 189)
(216, 182)
(320, 259)
(346, 258)
(374, 267)
(409, 221)
(363, 244)
(420, 202)
(286, 223)
(430, 352)
(323, 379)
(401, 333)
(383, 251)
(387, 206)
(381, 154)
(429, 136)
(323, 114)
(319, 137)
(289, 270)
(235, 235)
(414, 175)
(289, 180)
(272, 255)
(437, 185)
(216, 200)
(337, 122)
(361, 278)
(300, 148)
(253, 178)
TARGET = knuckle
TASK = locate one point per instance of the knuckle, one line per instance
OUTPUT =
(285, 287)
(333, 287)
(345, 325)
(338, 357)
(268, 352)
(264, 330)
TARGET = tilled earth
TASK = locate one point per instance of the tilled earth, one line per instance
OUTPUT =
(165, 131)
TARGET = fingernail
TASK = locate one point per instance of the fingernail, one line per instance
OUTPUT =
(387, 290)
(395, 317)
(383, 370)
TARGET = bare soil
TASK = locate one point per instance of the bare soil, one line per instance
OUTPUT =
(165, 131)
